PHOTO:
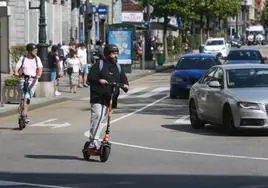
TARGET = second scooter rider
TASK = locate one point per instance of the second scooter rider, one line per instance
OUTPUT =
(100, 93)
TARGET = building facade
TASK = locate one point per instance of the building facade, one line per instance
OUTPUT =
(61, 19)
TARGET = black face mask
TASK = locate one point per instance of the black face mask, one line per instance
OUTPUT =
(113, 60)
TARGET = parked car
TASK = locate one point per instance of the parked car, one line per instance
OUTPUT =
(217, 46)
(233, 96)
(189, 69)
(244, 55)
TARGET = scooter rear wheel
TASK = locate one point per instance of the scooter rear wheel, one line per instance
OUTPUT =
(105, 152)
(85, 152)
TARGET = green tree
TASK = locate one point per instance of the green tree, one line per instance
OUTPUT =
(164, 9)
(264, 16)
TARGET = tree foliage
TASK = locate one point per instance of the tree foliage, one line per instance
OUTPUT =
(264, 16)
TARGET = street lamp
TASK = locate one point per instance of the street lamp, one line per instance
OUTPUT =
(244, 11)
(42, 46)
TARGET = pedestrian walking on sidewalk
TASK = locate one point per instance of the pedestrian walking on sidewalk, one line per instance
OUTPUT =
(102, 73)
(82, 55)
(29, 66)
(73, 65)
(55, 68)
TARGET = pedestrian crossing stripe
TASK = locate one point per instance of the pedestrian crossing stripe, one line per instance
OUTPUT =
(153, 92)
(132, 91)
(139, 92)
(4, 183)
(185, 120)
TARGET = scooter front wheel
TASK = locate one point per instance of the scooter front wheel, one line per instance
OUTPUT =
(22, 124)
(105, 152)
(85, 152)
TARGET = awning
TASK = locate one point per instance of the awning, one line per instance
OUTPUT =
(160, 26)
(154, 26)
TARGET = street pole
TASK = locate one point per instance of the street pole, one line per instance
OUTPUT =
(42, 46)
(46, 86)
(1, 94)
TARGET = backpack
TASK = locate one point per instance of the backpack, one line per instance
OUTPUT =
(22, 62)
(117, 64)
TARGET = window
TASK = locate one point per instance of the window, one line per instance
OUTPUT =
(247, 78)
(244, 55)
(214, 42)
(196, 63)
(208, 76)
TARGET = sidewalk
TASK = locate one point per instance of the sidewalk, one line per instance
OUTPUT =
(38, 102)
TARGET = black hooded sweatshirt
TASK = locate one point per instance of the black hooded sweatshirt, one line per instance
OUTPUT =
(102, 94)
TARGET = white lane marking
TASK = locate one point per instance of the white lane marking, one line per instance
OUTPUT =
(132, 91)
(132, 113)
(14, 183)
(191, 152)
(183, 120)
(85, 99)
(153, 92)
(47, 123)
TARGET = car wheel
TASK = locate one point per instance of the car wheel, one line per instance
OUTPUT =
(228, 122)
(196, 123)
(172, 95)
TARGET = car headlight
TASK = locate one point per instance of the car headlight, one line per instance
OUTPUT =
(249, 105)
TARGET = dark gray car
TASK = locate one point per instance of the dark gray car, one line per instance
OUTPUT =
(244, 55)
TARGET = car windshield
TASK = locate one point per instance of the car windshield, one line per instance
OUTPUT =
(244, 55)
(247, 78)
(214, 42)
(196, 63)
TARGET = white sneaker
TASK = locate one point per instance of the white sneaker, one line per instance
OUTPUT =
(57, 93)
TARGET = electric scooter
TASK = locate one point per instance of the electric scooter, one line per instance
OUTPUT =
(21, 120)
(105, 147)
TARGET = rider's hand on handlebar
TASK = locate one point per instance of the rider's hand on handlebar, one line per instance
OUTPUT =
(103, 82)
(125, 88)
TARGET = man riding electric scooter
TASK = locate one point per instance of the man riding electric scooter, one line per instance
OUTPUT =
(101, 76)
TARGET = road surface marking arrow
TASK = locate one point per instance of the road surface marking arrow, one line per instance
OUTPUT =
(52, 125)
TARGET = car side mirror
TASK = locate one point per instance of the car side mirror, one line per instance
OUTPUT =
(214, 84)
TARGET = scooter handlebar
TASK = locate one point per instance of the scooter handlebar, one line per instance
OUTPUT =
(119, 85)
(114, 84)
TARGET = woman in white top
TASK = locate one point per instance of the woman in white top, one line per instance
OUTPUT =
(74, 62)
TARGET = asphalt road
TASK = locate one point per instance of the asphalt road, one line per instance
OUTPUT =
(153, 146)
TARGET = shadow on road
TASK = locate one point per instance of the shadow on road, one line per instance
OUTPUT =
(63, 157)
(86, 180)
(211, 130)
(9, 128)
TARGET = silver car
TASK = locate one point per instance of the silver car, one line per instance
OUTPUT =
(232, 95)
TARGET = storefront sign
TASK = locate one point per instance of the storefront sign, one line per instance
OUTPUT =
(132, 17)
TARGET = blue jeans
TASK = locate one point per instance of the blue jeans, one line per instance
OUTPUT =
(53, 75)
(30, 91)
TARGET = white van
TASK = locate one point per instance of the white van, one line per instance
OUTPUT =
(255, 34)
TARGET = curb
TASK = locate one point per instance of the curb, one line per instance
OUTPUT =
(163, 68)
(14, 111)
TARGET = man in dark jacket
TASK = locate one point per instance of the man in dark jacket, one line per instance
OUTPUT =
(54, 63)
(100, 92)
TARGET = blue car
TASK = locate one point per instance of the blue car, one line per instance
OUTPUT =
(189, 69)
(244, 55)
